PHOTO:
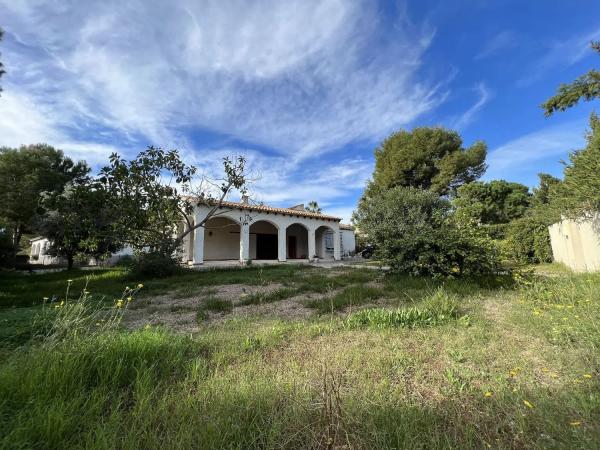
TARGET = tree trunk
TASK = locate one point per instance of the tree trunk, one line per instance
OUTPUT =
(69, 261)
(16, 238)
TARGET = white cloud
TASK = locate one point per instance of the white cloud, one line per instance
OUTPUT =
(282, 181)
(298, 76)
(26, 122)
(561, 53)
(523, 153)
(501, 41)
(468, 116)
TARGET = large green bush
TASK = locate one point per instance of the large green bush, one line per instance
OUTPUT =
(528, 241)
(415, 232)
(153, 265)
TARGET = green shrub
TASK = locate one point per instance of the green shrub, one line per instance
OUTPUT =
(154, 265)
(437, 308)
(415, 232)
(528, 241)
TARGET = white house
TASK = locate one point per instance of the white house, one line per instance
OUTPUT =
(243, 231)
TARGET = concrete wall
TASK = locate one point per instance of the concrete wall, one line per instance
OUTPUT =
(348, 242)
(577, 244)
(221, 239)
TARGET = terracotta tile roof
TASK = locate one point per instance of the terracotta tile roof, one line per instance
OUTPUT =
(285, 211)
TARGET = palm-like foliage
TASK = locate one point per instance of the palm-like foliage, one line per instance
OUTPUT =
(313, 207)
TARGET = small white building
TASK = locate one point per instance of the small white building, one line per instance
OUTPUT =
(38, 254)
(243, 232)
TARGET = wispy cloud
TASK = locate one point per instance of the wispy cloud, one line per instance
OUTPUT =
(501, 41)
(466, 118)
(561, 53)
(26, 122)
(297, 76)
(549, 145)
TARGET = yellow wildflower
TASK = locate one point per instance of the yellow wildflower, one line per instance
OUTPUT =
(537, 313)
(140, 286)
(575, 423)
(587, 375)
(147, 327)
(487, 394)
(129, 299)
(528, 404)
(119, 303)
(544, 369)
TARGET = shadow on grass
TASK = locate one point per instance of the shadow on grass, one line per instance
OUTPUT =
(151, 389)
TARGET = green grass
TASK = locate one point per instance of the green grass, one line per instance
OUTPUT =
(355, 295)
(438, 308)
(417, 375)
(29, 290)
(269, 297)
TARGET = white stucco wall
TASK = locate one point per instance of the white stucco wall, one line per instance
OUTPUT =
(221, 239)
(348, 242)
(577, 244)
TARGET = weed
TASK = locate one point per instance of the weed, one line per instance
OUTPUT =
(438, 308)
(351, 296)
(261, 297)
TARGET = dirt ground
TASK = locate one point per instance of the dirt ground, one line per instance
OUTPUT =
(180, 313)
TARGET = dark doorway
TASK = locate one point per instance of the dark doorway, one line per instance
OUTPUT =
(292, 247)
(266, 246)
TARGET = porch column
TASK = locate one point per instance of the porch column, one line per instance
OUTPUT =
(198, 246)
(337, 240)
(281, 244)
(311, 244)
(244, 242)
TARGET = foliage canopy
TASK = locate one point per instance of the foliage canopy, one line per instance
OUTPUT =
(586, 87)
(430, 158)
(496, 202)
(25, 174)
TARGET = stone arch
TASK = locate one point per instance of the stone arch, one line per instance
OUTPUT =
(296, 238)
(264, 239)
(324, 244)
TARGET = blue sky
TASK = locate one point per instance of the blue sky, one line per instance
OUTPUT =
(305, 89)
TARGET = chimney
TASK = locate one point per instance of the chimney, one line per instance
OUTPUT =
(244, 199)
